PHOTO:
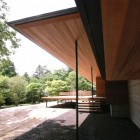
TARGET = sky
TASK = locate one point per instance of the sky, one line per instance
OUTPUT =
(28, 56)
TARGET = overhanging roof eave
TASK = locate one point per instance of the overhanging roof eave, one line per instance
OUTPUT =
(43, 16)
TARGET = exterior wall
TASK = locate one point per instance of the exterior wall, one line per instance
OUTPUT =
(117, 96)
(134, 97)
(100, 87)
(116, 93)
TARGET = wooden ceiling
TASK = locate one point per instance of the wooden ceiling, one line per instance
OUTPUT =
(121, 33)
(120, 20)
(112, 27)
(57, 35)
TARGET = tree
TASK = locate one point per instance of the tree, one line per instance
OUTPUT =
(8, 39)
(26, 76)
(2, 101)
(60, 74)
(17, 87)
(56, 86)
(34, 80)
(3, 89)
(34, 91)
(69, 70)
(47, 77)
(7, 68)
(82, 82)
(40, 71)
(71, 80)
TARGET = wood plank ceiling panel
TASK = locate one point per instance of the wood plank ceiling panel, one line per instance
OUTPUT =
(121, 32)
(57, 36)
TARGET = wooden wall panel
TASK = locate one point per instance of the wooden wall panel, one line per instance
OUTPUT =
(117, 97)
(113, 16)
(117, 92)
(100, 87)
(121, 33)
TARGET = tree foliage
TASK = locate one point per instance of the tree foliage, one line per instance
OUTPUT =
(71, 80)
(3, 89)
(82, 82)
(60, 74)
(34, 91)
(56, 86)
(7, 68)
(2, 101)
(27, 77)
(47, 77)
(17, 87)
(8, 39)
(40, 71)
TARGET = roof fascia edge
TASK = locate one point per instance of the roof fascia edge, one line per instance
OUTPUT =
(43, 16)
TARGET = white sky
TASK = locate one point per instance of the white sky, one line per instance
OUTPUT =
(29, 55)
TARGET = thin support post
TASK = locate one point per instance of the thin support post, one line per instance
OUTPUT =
(46, 103)
(92, 82)
(77, 120)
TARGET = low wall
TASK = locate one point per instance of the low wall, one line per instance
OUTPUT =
(134, 98)
(117, 96)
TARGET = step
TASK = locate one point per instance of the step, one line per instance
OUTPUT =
(89, 110)
(83, 107)
(89, 102)
(89, 105)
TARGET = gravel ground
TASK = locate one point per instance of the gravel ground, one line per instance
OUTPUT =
(35, 122)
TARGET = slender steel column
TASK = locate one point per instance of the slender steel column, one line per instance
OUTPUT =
(77, 120)
(92, 82)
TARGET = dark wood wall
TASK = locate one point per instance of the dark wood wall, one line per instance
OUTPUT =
(116, 92)
(100, 87)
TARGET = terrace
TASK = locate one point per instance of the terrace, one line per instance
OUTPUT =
(99, 40)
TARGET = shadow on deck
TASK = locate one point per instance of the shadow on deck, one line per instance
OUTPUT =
(64, 105)
(94, 127)
(104, 127)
